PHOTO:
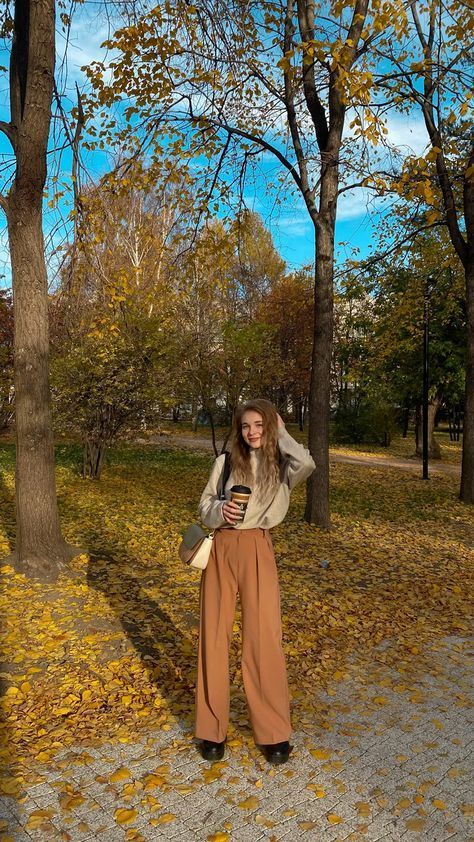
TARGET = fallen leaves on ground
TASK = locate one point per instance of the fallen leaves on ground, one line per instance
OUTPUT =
(109, 651)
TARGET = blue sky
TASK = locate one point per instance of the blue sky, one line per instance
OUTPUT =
(289, 223)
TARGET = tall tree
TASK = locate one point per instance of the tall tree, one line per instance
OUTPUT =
(111, 315)
(288, 309)
(429, 72)
(384, 355)
(40, 548)
(225, 82)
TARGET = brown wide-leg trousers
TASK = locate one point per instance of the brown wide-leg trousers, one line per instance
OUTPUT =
(242, 561)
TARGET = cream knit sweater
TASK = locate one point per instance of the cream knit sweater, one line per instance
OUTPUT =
(263, 513)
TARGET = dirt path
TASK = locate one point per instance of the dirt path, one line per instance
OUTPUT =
(197, 443)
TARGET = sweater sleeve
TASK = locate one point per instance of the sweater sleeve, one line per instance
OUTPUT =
(299, 462)
(210, 507)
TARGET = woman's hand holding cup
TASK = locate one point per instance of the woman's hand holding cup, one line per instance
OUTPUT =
(231, 512)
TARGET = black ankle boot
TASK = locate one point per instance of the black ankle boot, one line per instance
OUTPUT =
(212, 751)
(277, 753)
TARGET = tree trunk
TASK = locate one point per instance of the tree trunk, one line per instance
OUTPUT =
(213, 433)
(467, 470)
(406, 421)
(317, 501)
(434, 451)
(93, 459)
(40, 548)
(39, 543)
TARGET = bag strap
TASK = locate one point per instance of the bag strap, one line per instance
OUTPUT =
(225, 475)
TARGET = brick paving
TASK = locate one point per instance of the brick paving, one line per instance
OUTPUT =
(390, 760)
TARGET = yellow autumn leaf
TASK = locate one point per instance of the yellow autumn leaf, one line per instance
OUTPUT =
(307, 825)
(166, 818)
(333, 818)
(125, 816)
(250, 803)
(321, 753)
(121, 774)
(218, 837)
(69, 801)
(264, 822)
(415, 824)
(153, 781)
(438, 803)
(10, 786)
(134, 835)
(131, 789)
(38, 817)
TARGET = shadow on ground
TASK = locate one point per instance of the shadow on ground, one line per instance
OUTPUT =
(163, 647)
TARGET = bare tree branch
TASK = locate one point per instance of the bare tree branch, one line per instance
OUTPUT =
(378, 258)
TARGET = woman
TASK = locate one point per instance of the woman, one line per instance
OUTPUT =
(267, 459)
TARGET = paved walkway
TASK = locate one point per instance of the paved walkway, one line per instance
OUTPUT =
(388, 759)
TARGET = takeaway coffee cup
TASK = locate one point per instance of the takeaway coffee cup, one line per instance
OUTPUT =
(240, 494)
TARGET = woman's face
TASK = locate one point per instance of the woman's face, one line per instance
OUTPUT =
(252, 428)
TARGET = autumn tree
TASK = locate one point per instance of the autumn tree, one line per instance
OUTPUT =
(288, 309)
(257, 266)
(112, 315)
(428, 72)
(356, 408)
(223, 350)
(40, 548)
(398, 341)
(386, 354)
(224, 83)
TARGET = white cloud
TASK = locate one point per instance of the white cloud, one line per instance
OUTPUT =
(407, 133)
(295, 224)
(87, 34)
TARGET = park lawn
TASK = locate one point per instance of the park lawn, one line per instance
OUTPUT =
(110, 649)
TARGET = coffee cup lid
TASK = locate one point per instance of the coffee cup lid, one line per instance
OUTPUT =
(241, 489)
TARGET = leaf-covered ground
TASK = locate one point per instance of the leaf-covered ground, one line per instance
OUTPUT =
(109, 652)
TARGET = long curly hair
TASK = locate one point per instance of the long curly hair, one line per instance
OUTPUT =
(269, 458)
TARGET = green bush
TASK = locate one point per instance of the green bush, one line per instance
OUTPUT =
(367, 421)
